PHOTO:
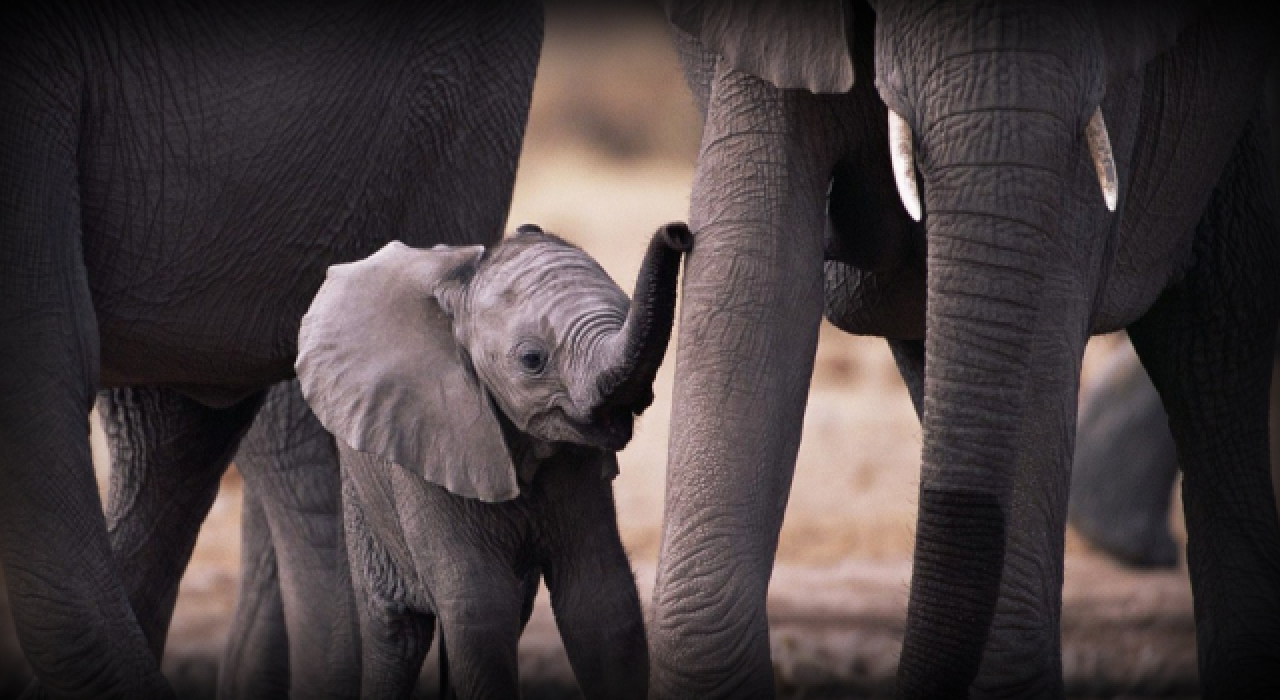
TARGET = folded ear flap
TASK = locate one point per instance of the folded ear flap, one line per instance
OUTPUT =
(790, 44)
(381, 369)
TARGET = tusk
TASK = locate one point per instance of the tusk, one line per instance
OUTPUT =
(902, 152)
(1103, 162)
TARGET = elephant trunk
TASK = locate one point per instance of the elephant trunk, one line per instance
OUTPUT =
(992, 382)
(635, 353)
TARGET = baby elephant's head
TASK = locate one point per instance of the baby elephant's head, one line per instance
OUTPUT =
(434, 358)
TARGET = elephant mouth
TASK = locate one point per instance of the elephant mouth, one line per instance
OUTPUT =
(615, 426)
(608, 428)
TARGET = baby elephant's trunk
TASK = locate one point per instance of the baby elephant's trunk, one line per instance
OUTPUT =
(636, 353)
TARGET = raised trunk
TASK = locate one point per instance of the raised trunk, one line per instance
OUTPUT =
(1004, 333)
(636, 352)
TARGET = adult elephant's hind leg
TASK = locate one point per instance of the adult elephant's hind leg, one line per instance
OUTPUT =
(290, 463)
(168, 454)
(255, 663)
(1208, 344)
(1124, 466)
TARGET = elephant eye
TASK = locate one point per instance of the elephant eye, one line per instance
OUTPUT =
(532, 359)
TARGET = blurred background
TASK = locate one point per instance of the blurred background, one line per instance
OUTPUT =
(609, 157)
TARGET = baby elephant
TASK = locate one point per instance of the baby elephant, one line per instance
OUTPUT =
(478, 397)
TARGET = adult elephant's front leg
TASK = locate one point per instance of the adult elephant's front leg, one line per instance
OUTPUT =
(70, 611)
(748, 335)
(290, 464)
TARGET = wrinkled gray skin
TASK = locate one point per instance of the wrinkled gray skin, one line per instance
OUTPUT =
(1125, 463)
(1019, 261)
(176, 181)
(166, 464)
(536, 341)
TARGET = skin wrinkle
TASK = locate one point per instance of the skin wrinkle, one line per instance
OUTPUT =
(565, 282)
(473, 560)
(536, 522)
(933, 210)
(265, 204)
(159, 478)
(1212, 440)
(145, 202)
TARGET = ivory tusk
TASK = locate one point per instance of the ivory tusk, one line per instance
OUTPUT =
(1103, 162)
(902, 152)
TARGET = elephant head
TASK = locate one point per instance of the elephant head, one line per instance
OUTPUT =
(432, 358)
(988, 119)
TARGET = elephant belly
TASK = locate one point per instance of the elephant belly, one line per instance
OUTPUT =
(227, 162)
(887, 304)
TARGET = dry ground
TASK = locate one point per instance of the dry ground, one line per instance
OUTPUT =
(609, 158)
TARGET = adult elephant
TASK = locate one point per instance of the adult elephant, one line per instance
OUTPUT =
(1012, 112)
(176, 180)
(1125, 461)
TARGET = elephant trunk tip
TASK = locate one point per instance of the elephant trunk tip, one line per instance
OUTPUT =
(636, 352)
(677, 236)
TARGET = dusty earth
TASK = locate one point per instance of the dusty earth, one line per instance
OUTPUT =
(609, 158)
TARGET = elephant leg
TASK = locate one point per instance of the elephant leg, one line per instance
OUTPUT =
(1124, 466)
(463, 568)
(394, 636)
(70, 610)
(1208, 346)
(529, 594)
(290, 463)
(909, 356)
(594, 596)
(255, 663)
(168, 454)
(479, 613)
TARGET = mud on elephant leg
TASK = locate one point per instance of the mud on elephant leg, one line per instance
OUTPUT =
(168, 454)
(1208, 344)
(290, 463)
(1124, 466)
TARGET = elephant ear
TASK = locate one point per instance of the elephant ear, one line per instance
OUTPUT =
(1136, 31)
(790, 44)
(379, 364)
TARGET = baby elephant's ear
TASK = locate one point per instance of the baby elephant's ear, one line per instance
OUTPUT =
(379, 365)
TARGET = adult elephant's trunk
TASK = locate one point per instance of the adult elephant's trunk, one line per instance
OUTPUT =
(635, 353)
(1005, 328)
(751, 309)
